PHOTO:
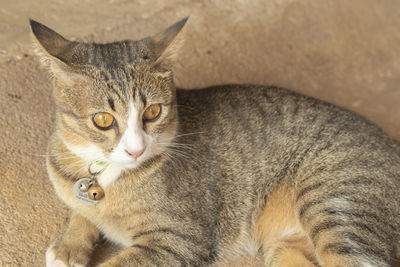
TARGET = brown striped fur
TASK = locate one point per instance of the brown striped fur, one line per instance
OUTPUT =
(251, 169)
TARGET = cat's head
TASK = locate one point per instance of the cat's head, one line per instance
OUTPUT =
(115, 102)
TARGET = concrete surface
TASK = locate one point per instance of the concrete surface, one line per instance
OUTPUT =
(346, 52)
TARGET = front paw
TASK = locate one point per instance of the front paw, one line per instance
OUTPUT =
(67, 255)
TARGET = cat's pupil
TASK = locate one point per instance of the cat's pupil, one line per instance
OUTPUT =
(103, 118)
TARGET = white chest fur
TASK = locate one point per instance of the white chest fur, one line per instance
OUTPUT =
(109, 175)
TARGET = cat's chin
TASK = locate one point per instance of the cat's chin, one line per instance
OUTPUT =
(127, 164)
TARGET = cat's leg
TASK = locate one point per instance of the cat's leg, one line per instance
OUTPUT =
(163, 247)
(332, 251)
(344, 227)
(283, 241)
(335, 250)
(291, 251)
(293, 257)
(75, 245)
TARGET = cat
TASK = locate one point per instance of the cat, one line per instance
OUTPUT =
(197, 177)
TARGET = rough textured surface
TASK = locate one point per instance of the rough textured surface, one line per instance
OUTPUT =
(346, 52)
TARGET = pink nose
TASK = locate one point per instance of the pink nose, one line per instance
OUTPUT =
(135, 154)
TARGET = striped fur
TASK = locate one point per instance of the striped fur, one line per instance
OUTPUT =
(235, 169)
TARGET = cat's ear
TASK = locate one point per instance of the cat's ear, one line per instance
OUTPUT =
(165, 44)
(56, 52)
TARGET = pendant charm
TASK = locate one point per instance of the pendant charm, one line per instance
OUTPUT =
(83, 196)
(84, 185)
(95, 192)
(87, 190)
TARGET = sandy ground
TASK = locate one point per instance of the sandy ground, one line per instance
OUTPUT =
(346, 52)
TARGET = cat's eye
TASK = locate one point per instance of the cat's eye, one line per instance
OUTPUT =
(103, 120)
(152, 113)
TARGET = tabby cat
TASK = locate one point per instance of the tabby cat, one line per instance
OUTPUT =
(195, 177)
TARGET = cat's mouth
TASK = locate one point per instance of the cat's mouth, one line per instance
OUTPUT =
(128, 158)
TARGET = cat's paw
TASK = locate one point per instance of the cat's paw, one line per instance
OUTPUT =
(66, 256)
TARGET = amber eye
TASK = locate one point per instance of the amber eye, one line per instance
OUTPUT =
(103, 120)
(152, 113)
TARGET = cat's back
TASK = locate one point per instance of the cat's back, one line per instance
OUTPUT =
(285, 134)
(271, 114)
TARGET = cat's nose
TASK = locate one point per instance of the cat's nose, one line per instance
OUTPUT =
(135, 153)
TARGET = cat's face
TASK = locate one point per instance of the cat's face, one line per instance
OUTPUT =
(125, 122)
(115, 102)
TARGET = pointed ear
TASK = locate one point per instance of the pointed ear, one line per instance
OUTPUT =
(165, 44)
(52, 43)
(56, 52)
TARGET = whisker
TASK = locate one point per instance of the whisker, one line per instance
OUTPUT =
(74, 168)
(177, 145)
(181, 154)
(186, 134)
